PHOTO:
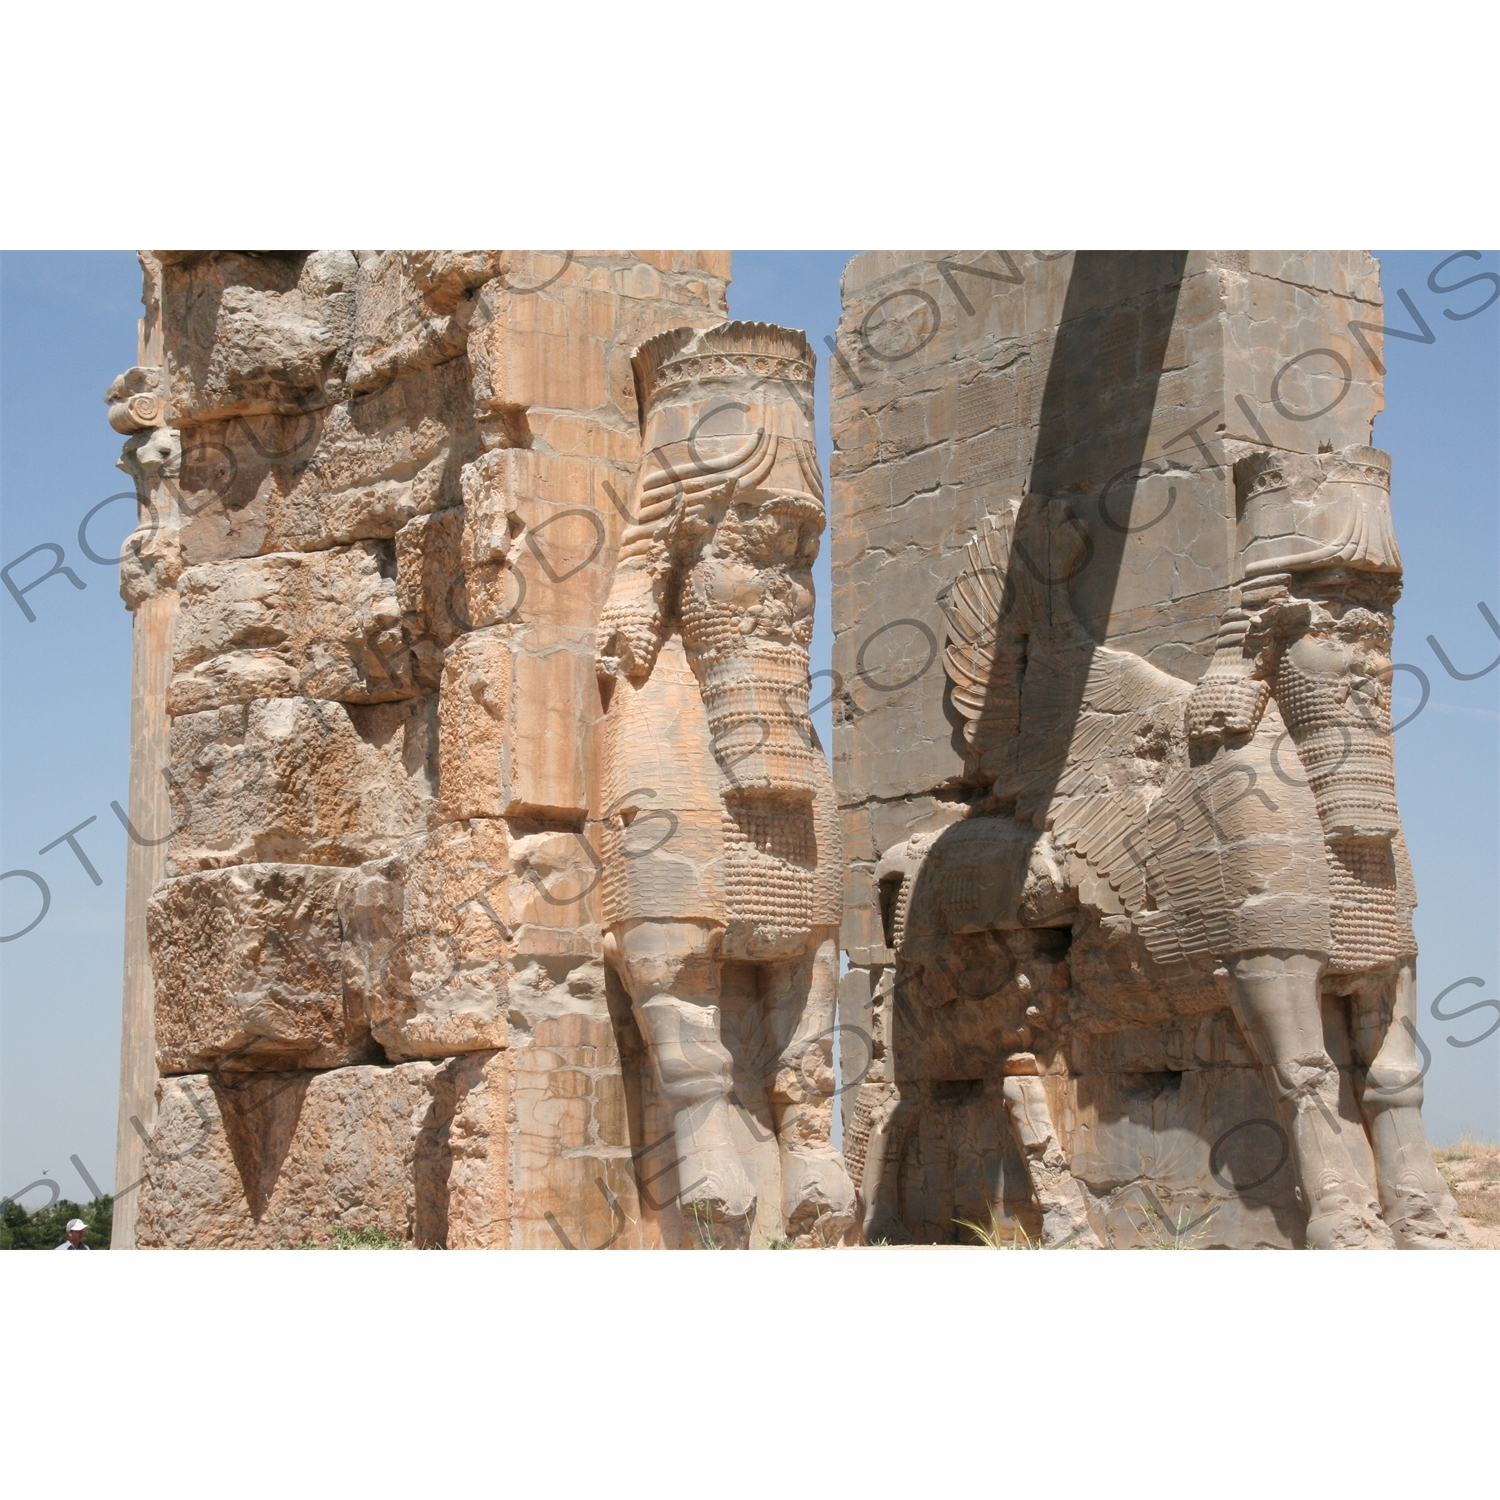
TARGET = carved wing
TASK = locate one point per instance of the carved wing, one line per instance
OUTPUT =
(976, 607)
(667, 492)
(668, 498)
(1127, 745)
(1087, 762)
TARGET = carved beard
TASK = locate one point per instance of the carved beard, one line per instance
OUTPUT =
(752, 670)
(1332, 686)
(1335, 699)
(758, 723)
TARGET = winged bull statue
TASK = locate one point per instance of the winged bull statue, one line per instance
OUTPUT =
(1231, 843)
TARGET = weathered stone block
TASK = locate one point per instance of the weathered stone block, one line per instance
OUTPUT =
(892, 822)
(537, 527)
(358, 469)
(431, 590)
(554, 895)
(540, 1139)
(861, 936)
(553, 334)
(479, 1142)
(412, 310)
(280, 1160)
(291, 625)
(490, 544)
(254, 333)
(426, 940)
(473, 715)
(545, 351)
(1177, 1139)
(247, 971)
(1301, 367)
(515, 716)
(573, 1184)
(553, 705)
(298, 781)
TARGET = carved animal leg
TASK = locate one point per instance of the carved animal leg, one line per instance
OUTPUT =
(893, 1123)
(1418, 1206)
(1276, 1003)
(1064, 1214)
(670, 972)
(818, 1201)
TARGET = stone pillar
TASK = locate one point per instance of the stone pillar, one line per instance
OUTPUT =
(145, 864)
(137, 408)
(1113, 572)
(380, 1000)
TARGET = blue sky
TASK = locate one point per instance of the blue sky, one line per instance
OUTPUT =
(67, 327)
(1441, 426)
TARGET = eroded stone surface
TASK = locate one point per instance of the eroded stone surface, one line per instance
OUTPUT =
(426, 942)
(291, 625)
(248, 973)
(387, 490)
(490, 752)
(299, 781)
(280, 1160)
(1115, 556)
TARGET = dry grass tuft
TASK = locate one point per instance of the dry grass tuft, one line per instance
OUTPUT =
(1471, 1168)
(993, 1236)
(1182, 1233)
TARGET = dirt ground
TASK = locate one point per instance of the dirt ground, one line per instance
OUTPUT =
(1472, 1169)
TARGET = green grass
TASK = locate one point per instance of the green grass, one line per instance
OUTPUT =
(372, 1237)
(1183, 1233)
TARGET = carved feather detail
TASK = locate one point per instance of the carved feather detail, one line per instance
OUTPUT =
(975, 606)
(1086, 739)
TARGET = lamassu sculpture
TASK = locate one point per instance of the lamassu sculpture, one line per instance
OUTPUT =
(723, 866)
(1245, 825)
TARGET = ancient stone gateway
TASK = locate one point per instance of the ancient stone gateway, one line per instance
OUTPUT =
(487, 877)
(1129, 907)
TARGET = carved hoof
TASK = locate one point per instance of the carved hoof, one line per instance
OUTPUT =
(1068, 1228)
(1425, 1220)
(718, 1198)
(818, 1201)
(814, 1227)
(1339, 1224)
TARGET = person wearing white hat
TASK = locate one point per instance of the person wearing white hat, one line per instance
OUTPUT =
(76, 1231)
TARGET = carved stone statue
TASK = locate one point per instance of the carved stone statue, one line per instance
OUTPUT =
(723, 867)
(1245, 826)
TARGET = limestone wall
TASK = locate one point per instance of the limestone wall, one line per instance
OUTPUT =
(384, 492)
(1091, 379)
(1117, 391)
